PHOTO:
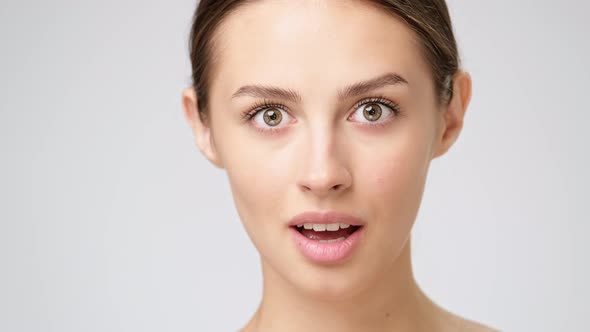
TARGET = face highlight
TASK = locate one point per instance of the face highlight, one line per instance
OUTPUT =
(323, 105)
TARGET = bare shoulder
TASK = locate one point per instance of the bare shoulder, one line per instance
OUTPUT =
(457, 323)
(466, 325)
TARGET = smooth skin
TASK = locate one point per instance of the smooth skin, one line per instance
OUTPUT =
(326, 155)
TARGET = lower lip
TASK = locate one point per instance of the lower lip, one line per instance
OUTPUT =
(326, 252)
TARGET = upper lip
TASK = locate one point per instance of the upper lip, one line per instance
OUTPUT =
(326, 217)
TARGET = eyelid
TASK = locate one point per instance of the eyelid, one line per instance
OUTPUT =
(260, 106)
(378, 99)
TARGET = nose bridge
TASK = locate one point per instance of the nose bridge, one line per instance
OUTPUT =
(324, 167)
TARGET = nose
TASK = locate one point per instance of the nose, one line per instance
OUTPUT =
(324, 170)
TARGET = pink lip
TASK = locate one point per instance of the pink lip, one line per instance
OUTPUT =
(326, 252)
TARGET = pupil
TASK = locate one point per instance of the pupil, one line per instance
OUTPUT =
(273, 116)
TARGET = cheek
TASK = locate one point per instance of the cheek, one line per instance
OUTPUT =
(397, 177)
(393, 186)
(257, 180)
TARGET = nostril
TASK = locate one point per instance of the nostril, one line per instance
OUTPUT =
(324, 187)
(336, 187)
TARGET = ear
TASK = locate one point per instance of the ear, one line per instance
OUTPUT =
(451, 121)
(201, 130)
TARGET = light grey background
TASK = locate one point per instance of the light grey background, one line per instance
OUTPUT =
(111, 219)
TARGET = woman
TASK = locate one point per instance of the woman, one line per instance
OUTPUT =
(326, 115)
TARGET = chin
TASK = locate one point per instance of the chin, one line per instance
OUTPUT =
(330, 282)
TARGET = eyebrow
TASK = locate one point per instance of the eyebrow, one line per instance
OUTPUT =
(265, 91)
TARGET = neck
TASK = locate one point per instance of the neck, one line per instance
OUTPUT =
(392, 303)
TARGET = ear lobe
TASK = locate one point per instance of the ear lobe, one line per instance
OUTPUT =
(201, 131)
(453, 115)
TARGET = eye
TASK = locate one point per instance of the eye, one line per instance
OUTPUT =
(272, 117)
(372, 110)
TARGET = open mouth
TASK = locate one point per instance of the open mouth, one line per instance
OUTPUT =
(327, 233)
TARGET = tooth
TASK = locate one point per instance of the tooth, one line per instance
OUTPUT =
(344, 225)
(299, 226)
(332, 227)
(308, 226)
(319, 227)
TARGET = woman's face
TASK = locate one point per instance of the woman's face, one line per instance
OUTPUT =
(321, 151)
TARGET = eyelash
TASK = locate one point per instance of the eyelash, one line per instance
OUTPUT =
(262, 105)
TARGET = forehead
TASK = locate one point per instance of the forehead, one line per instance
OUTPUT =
(314, 47)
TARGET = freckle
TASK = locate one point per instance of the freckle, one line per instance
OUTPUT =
(387, 314)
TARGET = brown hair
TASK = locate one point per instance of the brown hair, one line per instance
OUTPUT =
(429, 19)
